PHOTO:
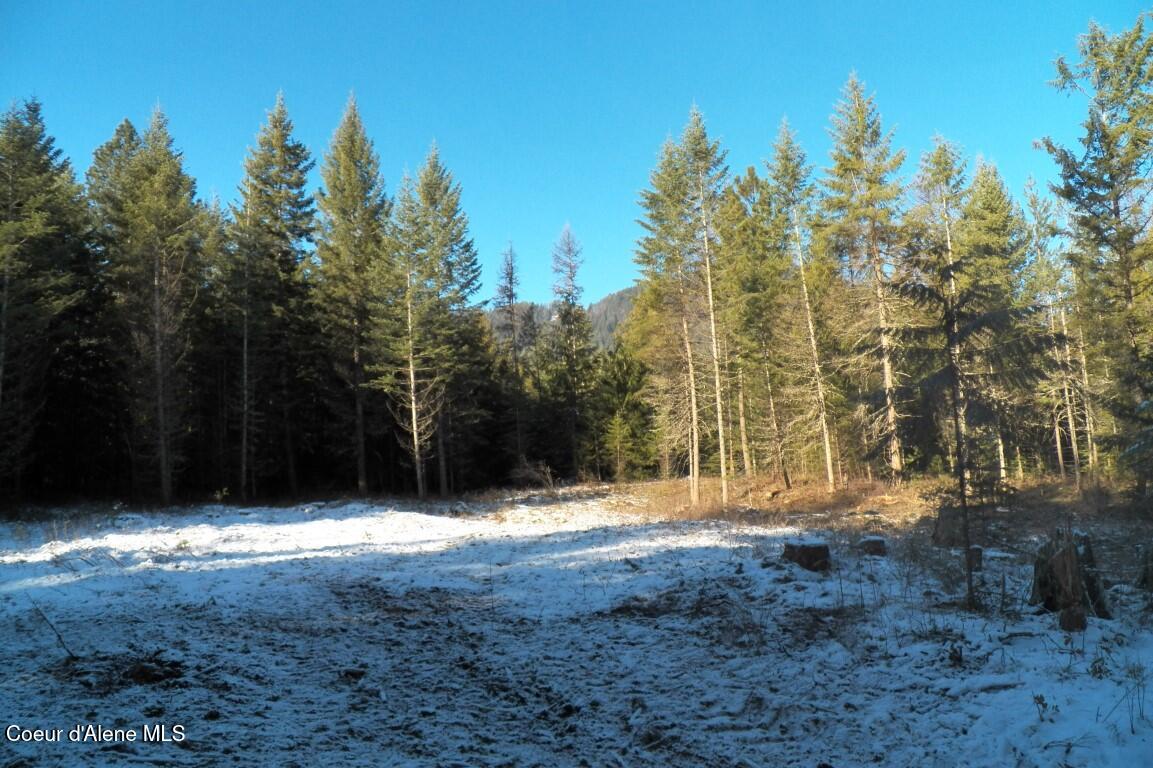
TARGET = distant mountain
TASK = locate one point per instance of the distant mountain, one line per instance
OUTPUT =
(610, 312)
(605, 315)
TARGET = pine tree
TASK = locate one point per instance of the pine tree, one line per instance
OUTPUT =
(437, 359)
(352, 253)
(152, 228)
(705, 167)
(958, 273)
(1107, 188)
(509, 326)
(41, 230)
(264, 281)
(677, 257)
(791, 194)
(666, 300)
(570, 350)
(861, 206)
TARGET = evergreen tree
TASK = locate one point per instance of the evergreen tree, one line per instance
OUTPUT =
(704, 162)
(508, 325)
(626, 421)
(352, 252)
(1106, 185)
(863, 228)
(791, 227)
(677, 260)
(958, 273)
(439, 352)
(666, 304)
(264, 284)
(41, 239)
(152, 229)
(571, 363)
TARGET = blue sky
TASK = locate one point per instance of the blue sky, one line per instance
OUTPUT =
(548, 112)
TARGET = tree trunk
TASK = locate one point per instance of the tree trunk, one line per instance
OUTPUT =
(1065, 398)
(694, 432)
(358, 402)
(441, 455)
(775, 432)
(716, 356)
(815, 359)
(1002, 468)
(1067, 366)
(159, 384)
(960, 406)
(413, 407)
(746, 457)
(245, 397)
(1090, 422)
(896, 461)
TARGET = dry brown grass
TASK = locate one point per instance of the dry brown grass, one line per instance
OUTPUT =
(861, 507)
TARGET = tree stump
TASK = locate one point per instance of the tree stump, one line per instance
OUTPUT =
(949, 530)
(1065, 577)
(874, 545)
(810, 555)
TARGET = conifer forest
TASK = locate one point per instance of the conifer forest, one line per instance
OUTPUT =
(853, 466)
(814, 320)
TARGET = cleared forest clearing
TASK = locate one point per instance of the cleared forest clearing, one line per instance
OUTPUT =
(583, 628)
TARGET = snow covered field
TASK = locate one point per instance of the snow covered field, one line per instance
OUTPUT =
(539, 632)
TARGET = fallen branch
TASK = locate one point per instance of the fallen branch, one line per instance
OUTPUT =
(59, 637)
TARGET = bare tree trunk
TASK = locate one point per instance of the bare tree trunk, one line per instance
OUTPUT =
(1071, 424)
(716, 359)
(815, 360)
(1067, 366)
(441, 455)
(896, 461)
(1020, 465)
(414, 416)
(694, 431)
(775, 432)
(893, 437)
(746, 457)
(840, 463)
(358, 400)
(160, 383)
(289, 442)
(960, 414)
(245, 396)
(1090, 422)
(1068, 411)
(1002, 469)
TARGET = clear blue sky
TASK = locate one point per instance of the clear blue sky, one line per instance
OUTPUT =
(548, 112)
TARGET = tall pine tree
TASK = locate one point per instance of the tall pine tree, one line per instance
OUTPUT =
(273, 226)
(352, 249)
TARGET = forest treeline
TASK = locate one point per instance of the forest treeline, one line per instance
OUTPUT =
(800, 324)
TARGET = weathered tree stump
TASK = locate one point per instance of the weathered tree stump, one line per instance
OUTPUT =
(810, 555)
(1065, 577)
(875, 546)
(949, 530)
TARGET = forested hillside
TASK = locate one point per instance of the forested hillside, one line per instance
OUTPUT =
(812, 320)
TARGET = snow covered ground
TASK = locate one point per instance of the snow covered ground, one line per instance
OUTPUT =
(539, 632)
